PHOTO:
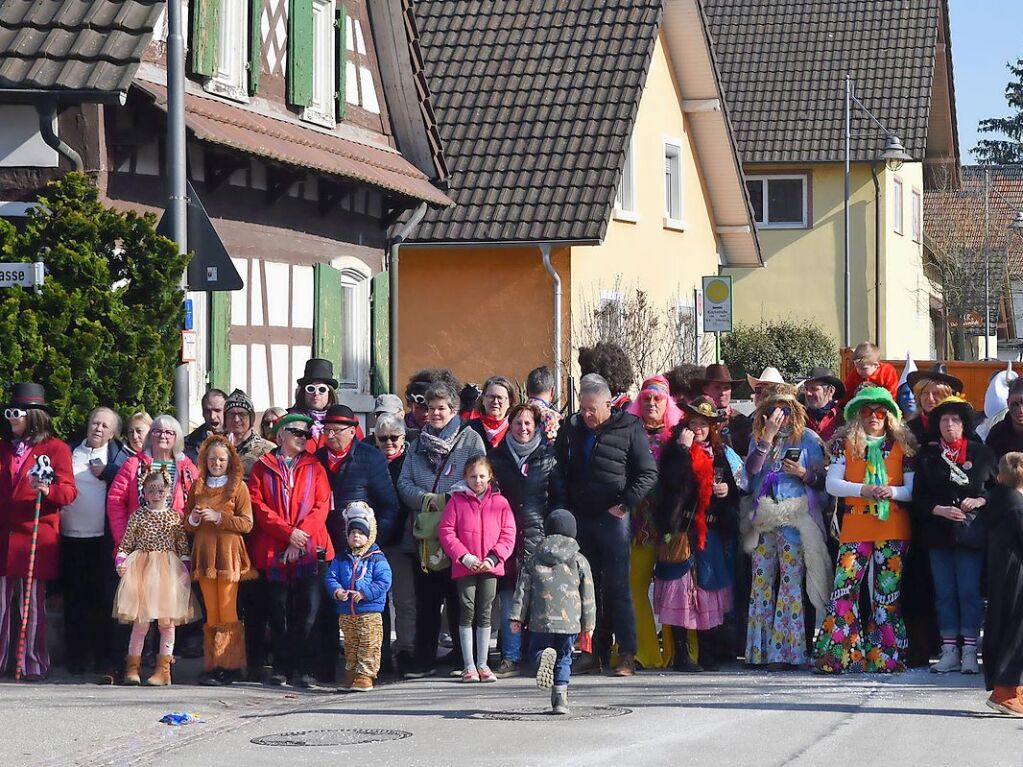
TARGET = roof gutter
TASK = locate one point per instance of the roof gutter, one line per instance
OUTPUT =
(392, 283)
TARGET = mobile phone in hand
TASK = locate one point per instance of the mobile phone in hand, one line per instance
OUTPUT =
(792, 454)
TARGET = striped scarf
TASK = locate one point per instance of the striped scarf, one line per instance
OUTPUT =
(281, 493)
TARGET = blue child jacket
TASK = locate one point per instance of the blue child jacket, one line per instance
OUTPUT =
(369, 574)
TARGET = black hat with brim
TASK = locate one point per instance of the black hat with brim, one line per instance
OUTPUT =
(827, 376)
(957, 405)
(29, 396)
(937, 373)
(318, 369)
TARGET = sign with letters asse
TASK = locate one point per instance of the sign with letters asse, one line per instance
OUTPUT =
(717, 304)
(25, 274)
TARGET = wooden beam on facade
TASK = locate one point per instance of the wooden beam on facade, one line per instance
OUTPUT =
(278, 182)
(330, 193)
(218, 168)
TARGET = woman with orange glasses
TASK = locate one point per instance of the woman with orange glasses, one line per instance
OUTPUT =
(872, 471)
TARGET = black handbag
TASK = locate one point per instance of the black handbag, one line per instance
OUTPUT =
(971, 533)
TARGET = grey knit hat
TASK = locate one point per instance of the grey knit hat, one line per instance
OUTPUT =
(239, 399)
(560, 522)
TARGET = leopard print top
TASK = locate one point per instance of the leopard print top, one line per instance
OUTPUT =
(155, 530)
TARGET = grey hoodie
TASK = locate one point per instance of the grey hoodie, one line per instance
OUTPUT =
(555, 592)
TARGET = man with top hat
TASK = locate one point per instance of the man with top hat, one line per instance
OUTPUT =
(822, 391)
(28, 440)
(316, 391)
(239, 419)
(717, 384)
(289, 541)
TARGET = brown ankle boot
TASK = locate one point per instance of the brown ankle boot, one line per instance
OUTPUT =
(162, 676)
(131, 670)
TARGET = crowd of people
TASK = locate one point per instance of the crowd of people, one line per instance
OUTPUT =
(658, 527)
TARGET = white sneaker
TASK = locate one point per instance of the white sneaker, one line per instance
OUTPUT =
(969, 664)
(949, 660)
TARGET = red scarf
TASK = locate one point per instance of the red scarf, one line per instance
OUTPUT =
(334, 460)
(395, 457)
(495, 428)
(955, 451)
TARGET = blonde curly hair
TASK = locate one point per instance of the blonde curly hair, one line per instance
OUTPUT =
(780, 395)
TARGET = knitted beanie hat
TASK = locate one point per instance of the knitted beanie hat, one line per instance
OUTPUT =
(239, 400)
(560, 522)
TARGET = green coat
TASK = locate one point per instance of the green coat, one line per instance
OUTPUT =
(555, 592)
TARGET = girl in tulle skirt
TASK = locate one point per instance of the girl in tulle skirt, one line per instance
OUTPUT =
(155, 585)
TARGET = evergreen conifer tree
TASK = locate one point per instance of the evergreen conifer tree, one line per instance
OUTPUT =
(1000, 152)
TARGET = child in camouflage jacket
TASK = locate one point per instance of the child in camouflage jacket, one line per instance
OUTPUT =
(555, 600)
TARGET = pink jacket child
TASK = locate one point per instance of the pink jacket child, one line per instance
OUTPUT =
(483, 527)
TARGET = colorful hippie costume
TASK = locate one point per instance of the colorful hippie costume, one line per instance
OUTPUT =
(694, 576)
(219, 558)
(643, 556)
(781, 526)
(875, 534)
(29, 528)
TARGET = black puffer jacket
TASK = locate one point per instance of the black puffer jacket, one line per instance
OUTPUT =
(532, 495)
(933, 486)
(619, 470)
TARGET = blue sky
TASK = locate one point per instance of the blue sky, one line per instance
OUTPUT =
(985, 35)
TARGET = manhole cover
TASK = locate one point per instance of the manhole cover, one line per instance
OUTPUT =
(330, 737)
(544, 714)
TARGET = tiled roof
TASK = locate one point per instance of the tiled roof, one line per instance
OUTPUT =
(535, 100)
(74, 44)
(783, 65)
(215, 122)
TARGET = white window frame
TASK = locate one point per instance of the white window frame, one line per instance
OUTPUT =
(321, 108)
(898, 206)
(626, 208)
(356, 279)
(231, 78)
(917, 208)
(766, 180)
(673, 151)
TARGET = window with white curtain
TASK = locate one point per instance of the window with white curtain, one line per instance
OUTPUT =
(356, 331)
(897, 206)
(321, 108)
(673, 214)
(230, 79)
(625, 199)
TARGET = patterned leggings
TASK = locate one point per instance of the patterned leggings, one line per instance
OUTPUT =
(841, 645)
(775, 633)
(363, 636)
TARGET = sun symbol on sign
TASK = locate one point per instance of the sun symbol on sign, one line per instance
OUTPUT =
(717, 291)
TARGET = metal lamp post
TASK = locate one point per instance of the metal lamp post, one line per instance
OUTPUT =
(894, 155)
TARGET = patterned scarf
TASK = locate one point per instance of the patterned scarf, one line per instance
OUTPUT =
(877, 475)
(495, 428)
(280, 494)
(316, 428)
(955, 451)
(438, 445)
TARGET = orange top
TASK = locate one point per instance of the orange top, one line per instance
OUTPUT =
(860, 523)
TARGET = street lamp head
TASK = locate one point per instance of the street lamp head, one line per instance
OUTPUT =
(1017, 222)
(894, 154)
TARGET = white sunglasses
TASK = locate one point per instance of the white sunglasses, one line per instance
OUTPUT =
(316, 389)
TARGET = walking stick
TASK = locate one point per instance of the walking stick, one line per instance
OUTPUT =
(43, 472)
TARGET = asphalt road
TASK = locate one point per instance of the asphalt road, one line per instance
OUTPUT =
(727, 718)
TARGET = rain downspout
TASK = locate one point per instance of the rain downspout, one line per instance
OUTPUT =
(47, 116)
(545, 251)
(877, 256)
(392, 285)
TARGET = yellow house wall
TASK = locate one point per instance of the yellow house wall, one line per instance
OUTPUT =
(666, 263)
(804, 274)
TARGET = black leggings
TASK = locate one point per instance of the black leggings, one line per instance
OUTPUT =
(434, 589)
(293, 607)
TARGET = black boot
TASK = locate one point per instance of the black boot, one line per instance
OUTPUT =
(708, 644)
(684, 662)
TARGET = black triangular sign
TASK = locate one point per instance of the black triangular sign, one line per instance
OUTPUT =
(210, 268)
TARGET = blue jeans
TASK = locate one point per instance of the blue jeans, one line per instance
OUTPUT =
(606, 543)
(511, 644)
(957, 598)
(563, 644)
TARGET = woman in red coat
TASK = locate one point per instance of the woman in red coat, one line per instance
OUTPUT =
(28, 435)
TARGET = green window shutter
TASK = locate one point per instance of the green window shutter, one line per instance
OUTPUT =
(328, 314)
(255, 44)
(220, 340)
(380, 333)
(205, 34)
(300, 52)
(341, 61)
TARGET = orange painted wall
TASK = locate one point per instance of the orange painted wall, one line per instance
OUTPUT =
(480, 311)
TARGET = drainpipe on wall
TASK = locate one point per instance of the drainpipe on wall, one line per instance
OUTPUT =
(47, 115)
(392, 298)
(877, 255)
(545, 251)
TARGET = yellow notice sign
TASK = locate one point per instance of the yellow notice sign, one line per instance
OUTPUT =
(717, 304)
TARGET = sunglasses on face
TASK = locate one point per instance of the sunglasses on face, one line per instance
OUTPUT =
(316, 389)
(13, 413)
(303, 433)
(876, 412)
(388, 437)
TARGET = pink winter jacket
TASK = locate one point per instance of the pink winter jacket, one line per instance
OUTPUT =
(478, 527)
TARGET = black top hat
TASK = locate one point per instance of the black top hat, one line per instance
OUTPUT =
(716, 372)
(937, 373)
(318, 369)
(827, 375)
(29, 396)
(341, 414)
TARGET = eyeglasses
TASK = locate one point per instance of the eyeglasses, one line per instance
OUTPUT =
(304, 434)
(389, 437)
(316, 389)
(495, 398)
(13, 413)
(163, 432)
(336, 429)
(877, 412)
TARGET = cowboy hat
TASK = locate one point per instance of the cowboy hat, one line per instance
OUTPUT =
(771, 375)
(826, 376)
(716, 373)
(702, 407)
(939, 373)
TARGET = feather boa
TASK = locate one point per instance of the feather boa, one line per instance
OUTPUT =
(703, 470)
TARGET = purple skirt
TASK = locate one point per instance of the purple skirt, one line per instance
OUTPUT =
(680, 602)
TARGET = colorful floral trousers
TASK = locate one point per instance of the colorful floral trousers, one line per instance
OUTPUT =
(775, 633)
(842, 646)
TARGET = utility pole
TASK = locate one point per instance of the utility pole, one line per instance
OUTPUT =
(177, 199)
(987, 262)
